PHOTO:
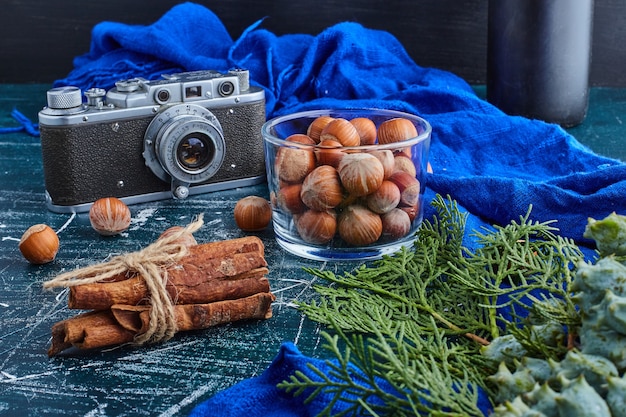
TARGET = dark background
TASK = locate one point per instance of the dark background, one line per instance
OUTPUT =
(39, 38)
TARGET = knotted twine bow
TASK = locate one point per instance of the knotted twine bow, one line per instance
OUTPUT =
(151, 264)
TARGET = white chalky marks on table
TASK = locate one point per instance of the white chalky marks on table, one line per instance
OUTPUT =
(137, 221)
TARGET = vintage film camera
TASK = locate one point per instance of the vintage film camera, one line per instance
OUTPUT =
(188, 133)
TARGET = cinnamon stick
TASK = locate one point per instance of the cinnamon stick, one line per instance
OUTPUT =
(120, 324)
(195, 290)
(210, 272)
(88, 331)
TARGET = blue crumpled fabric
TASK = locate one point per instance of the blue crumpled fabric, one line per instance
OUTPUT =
(492, 164)
(259, 396)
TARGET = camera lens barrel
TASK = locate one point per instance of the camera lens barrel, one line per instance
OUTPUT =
(184, 144)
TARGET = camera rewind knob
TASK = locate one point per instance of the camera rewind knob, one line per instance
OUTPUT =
(63, 98)
(243, 77)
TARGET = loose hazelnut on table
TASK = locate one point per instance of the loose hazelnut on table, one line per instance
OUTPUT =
(252, 213)
(39, 244)
(109, 216)
(186, 239)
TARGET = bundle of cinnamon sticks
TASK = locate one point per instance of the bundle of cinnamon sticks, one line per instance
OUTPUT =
(214, 283)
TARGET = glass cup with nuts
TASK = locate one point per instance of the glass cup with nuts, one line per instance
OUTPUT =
(346, 184)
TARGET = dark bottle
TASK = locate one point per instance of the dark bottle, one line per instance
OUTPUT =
(539, 54)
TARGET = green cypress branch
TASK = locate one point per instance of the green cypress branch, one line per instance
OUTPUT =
(411, 321)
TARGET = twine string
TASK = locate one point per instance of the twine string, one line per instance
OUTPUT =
(150, 264)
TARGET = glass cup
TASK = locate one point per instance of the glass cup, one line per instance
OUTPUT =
(335, 199)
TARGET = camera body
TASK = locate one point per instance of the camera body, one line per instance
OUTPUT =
(188, 133)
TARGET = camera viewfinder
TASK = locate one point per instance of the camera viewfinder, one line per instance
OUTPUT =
(194, 91)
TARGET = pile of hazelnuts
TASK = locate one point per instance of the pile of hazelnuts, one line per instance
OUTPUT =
(333, 190)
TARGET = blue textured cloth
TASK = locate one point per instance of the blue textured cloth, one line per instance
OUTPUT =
(492, 164)
(25, 125)
(260, 397)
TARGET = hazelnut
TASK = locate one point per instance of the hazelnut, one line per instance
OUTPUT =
(321, 189)
(185, 238)
(328, 154)
(252, 213)
(294, 163)
(361, 173)
(109, 216)
(384, 199)
(409, 187)
(342, 131)
(317, 227)
(315, 128)
(412, 211)
(39, 244)
(402, 162)
(396, 130)
(359, 226)
(385, 156)
(288, 199)
(396, 223)
(366, 130)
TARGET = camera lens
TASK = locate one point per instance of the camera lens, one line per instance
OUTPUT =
(195, 151)
(184, 143)
(190, 149)
(226, 88)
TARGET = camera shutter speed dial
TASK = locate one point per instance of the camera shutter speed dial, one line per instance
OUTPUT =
(64, 98)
